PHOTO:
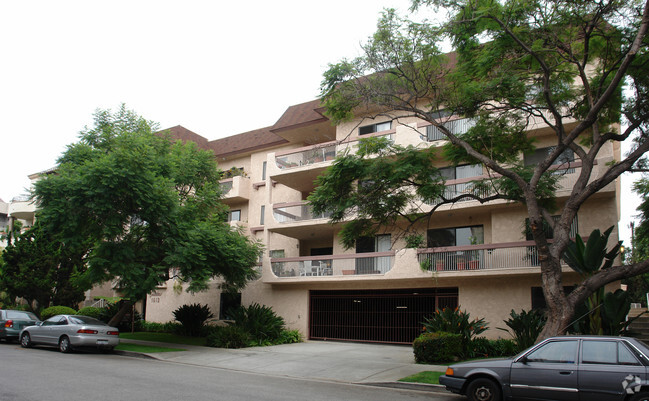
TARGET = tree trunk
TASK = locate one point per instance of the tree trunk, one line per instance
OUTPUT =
(123, 310)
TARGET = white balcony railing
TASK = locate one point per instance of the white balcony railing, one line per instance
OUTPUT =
(312, 155)
(334, 265)
(299, 211)
(456, 127)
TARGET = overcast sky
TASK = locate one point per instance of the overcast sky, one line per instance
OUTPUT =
(217, 68)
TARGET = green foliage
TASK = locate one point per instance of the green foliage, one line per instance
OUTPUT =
(609, 315)
(41, 270)
(193, 317)
(438, 347)
(133, 204)
(525, 327)
(260, 322)
(90, 311)
(290, 337)
(455, 321)
(415, 241)
(481, 347)
(56, 310)
(640, 245)
(155, 327)
(586, 259)
(228, 337)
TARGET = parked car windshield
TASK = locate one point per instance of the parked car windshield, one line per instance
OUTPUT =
(16, 314)
(86, 320)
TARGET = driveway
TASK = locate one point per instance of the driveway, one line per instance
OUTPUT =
(321, 360)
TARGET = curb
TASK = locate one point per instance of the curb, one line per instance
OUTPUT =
(134, 354)
(433, 388)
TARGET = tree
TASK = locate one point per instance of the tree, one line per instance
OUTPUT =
(515, 65)
(137, 205)
(41, 270)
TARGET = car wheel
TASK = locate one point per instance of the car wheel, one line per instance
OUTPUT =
(483, 390)
(640, 397)
(64, 345)
(25, 340)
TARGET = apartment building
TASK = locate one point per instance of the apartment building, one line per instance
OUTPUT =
(477, 256)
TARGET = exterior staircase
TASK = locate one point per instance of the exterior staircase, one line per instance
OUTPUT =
(639, 328)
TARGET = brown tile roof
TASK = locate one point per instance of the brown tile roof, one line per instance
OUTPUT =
(182, 133)
(300, 115)
(246, 142)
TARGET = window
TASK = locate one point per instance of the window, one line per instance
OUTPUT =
(607, 352)
(554, 352)
(373, 265)
(263, 171)
(234, 215)
(372, 128)
(263, 212)
(459, 172)
(455, 236)
(538, 299)
(228, 302)
(534, 158)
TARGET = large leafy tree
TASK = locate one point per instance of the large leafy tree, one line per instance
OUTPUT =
(516, 65)
(138, 205)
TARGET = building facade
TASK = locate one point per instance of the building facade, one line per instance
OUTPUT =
(476, 256)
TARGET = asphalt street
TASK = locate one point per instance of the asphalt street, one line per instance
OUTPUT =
(45, 374)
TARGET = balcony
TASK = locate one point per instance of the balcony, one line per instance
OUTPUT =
(448, 264)
(296, 220)
(456, 127)
(522, 254)
(235, 189)
(296, 211)
(22, 207)
(359, 264)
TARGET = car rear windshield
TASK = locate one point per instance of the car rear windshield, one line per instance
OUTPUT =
(16, 314)
(86, 320)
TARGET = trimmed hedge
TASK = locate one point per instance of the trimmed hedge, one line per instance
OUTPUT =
(228, 337)
(90, 311)
(484, 348)
(437, 347)
(56, 310)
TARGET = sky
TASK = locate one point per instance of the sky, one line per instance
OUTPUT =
(217, 68)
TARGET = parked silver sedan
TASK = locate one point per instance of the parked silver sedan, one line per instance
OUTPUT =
(69, 332)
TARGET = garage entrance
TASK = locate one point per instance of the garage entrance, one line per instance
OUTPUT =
(383, 316)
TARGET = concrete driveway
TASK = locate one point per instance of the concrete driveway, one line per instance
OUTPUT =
(321, 360)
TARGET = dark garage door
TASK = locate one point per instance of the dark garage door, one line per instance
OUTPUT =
(389, 316)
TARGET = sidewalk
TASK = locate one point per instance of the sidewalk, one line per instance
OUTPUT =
(320, 360)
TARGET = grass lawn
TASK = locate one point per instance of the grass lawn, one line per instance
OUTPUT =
(423, 377)
(163, 338)
(145, 348)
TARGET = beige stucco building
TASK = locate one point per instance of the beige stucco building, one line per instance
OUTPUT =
(476, 255)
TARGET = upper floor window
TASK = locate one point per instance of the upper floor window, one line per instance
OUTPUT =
(372, 128)
(534, 158)
(263, 171)
(234, 215)
(455, 236)
(549, 232)
(458, 172)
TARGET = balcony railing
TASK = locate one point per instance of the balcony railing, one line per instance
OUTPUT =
(226, 186)
(480, 257)
(456, 127)
(334, 265)
(312, 155)
(292, 212)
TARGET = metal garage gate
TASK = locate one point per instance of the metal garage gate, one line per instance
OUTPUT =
(385, 316)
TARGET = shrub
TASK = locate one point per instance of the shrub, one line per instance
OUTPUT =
(260, 322)
(227, 337)
(455, 321)
(56, 310)
(155, 327)
(437, 347)
(90, 311)
(525, 327)
(193, 317)
(485, 348)
(290, 337)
